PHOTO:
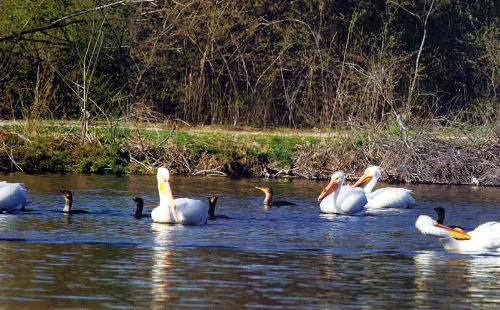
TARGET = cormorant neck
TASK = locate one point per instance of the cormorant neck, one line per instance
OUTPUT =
(267, 199)
(67, 206)
(440, 214)
(138, 210)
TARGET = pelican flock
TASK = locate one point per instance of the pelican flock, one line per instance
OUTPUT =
(335, 198)
(342, 199)
(388, 197)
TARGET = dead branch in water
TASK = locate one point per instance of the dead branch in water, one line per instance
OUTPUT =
(211, 172)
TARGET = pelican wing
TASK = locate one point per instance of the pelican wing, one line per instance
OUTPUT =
(390, 197)
(191, 211)
(350, 201)
(12, 195)
(487, 235)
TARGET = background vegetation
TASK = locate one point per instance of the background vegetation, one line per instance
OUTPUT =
(387, 77)
(297, 64)
(424, 154)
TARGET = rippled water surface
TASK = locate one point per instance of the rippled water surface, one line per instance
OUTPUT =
(288, 257)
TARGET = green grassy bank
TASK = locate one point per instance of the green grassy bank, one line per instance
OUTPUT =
(422, 154)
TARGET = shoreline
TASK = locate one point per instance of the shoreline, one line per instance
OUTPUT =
(424, 155)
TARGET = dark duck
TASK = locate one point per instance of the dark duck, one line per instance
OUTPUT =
(440, 213)
(139, 203)
(68, 197)
(212, 201)
(268, 200)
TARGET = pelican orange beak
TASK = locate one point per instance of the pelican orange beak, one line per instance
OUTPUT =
(364, 179)
(330, 188)
(261, 188)
(456, 233)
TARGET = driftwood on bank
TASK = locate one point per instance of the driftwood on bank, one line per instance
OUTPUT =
(425, 159)
(418, 158)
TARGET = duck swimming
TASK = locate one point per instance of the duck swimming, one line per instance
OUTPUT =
(139, 202)
(13, 196)
(68, 197)
(268, 199)
(211, 209)
(184, 211)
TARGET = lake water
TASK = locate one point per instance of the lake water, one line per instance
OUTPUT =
(281, 258)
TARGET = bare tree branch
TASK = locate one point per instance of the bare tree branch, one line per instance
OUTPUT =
(414, 81)
(59, 23)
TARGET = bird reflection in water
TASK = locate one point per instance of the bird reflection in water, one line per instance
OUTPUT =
(464, 279)
(162, 264)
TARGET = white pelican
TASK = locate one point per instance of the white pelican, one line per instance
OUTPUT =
(268, 200)
(389, 197)
(181, 210)
(485, 238)
(344, 200)
(12, 196)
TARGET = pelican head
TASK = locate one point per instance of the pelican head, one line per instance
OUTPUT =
(428, 226)
(162, 175)
(372, 172)
(335, 181)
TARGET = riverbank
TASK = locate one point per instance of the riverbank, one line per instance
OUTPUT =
(419, 154)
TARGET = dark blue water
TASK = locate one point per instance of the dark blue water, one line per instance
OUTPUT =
(288, 257)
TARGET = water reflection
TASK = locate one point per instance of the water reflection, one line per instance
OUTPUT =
(161, 263)
(441, 277)
(287, 257)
